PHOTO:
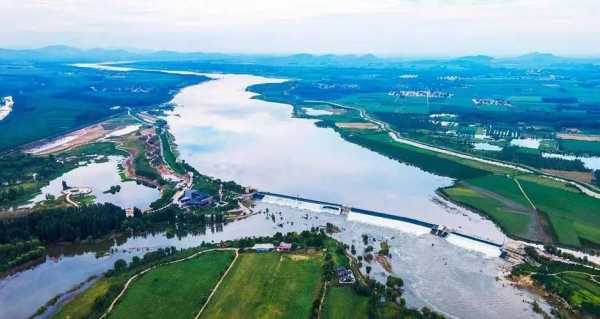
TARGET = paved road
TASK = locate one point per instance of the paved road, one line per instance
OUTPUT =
(396, 137)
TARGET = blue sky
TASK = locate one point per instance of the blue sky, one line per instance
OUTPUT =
(385, 27)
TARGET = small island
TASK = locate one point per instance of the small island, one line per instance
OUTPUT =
(113, 189)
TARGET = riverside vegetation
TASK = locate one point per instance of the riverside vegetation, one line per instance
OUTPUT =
(445, 115)
(301, 273)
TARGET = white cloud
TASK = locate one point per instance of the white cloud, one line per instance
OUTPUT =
(406, 27)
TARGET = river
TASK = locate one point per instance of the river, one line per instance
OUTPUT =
(223, 132)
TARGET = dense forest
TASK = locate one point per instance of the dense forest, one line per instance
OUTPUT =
(22, 239)
(512, 154)
(64, 224)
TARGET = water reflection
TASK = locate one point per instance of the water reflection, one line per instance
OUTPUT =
(223, 132)
(434, 274)
(66, 266)
(100, 177)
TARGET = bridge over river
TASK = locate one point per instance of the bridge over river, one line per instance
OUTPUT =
(402, 223)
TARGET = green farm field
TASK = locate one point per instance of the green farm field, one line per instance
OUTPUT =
(574, 218)
(175, 290)
(82, 305)
(427, 160)
(268, 285)
(343, 302)
(512, 222)
(573, 215)
(579, 147)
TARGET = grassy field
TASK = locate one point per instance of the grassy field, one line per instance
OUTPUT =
(573, 215)
(585, 290)
(338, 255)
(173, 291)
(573, 283)
(502, 185)
(344, 302)
(82, 305)
(580, 147)
(512, 222)
(429, 161)
(268, 285)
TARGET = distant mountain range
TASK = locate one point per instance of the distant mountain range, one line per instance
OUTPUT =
(62, 53)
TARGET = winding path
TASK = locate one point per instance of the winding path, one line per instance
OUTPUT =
(70, 201)
(218, 284)
(134, 277)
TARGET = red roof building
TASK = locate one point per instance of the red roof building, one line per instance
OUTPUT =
(284, 247)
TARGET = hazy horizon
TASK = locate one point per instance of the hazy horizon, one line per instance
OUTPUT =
(134, 50)
(399, 28)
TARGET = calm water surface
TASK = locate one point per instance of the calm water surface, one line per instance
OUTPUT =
(100, 177)
(223, 132)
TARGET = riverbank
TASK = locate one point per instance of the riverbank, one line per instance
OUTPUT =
(365, 177)
(548, 227)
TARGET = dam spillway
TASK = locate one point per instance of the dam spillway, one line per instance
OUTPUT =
(381, 219)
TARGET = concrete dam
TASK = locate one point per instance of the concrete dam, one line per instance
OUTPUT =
(402, 223)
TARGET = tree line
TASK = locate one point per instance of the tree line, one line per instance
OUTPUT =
(20, 252)
(63, 224)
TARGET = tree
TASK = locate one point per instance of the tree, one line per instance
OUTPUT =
(368, 269)
(134, 261)
(365, 239)
(120, 266)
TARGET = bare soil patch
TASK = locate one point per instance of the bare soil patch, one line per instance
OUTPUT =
(357, 125)
(583, 177)
(80, 137)
(578, 137)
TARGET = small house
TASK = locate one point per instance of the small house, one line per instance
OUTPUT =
(283, 247)
(344, 275)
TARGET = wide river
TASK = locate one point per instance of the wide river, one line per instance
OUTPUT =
(223, 132)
